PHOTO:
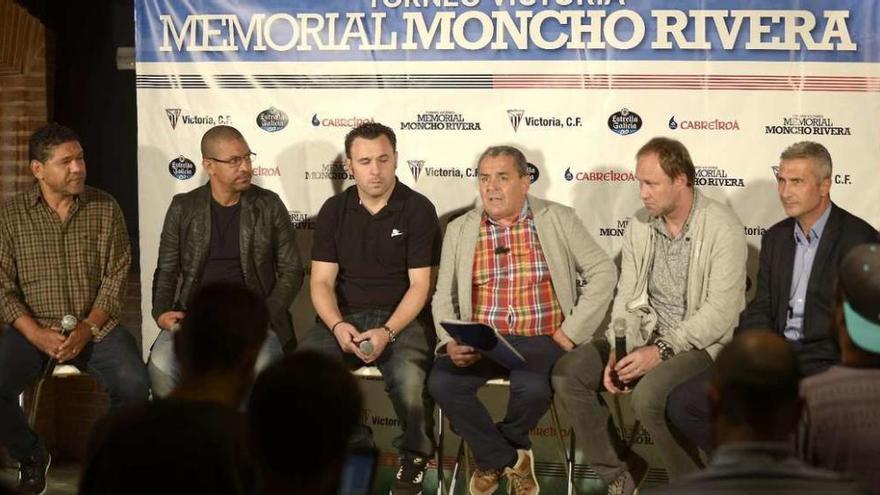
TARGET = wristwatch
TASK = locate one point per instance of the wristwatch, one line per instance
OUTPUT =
(666, 350)
(92, 327)
(391, 335)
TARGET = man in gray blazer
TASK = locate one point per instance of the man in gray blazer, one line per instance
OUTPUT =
(227, 230)
(528, 268)
(682, 286)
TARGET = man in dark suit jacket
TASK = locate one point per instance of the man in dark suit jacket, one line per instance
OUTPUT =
(796, 278)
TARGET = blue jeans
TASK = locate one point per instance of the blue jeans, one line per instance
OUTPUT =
(164, 368)
(115, 362)
(455, 390)
(404, 365)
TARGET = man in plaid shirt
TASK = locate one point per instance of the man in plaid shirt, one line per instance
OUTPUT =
(64, 250)
(528, 268)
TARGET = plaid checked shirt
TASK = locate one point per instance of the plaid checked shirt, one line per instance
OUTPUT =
(49, 268)
(512, 290)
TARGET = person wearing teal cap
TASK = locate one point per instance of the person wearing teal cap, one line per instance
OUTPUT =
(839, 429)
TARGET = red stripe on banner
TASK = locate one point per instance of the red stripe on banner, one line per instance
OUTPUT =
(683, 81)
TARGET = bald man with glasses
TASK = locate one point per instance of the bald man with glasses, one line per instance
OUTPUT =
(231, 231)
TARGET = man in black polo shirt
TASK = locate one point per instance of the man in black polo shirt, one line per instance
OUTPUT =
(374, 248)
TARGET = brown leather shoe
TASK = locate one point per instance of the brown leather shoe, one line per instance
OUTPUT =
(521, 477)
(484, 482)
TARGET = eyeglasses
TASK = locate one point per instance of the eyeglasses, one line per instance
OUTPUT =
(236, 161)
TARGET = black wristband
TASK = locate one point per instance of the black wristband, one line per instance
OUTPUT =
(666, 350)
(333, 328)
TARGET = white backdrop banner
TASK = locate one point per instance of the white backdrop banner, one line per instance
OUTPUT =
(578, 85)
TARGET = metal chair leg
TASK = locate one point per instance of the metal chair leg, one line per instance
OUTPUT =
(455, 468)
(568, 462)
(572, 490)
(438, 454)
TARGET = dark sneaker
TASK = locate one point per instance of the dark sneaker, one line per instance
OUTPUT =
(521, 477)
(484, 481)
(32, 473)
(409, 477)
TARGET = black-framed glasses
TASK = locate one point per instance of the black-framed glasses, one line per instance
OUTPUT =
(236, 161)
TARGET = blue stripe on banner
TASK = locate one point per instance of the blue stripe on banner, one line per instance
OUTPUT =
(857, 84)
(575, 30)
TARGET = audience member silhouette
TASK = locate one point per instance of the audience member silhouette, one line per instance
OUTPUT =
(195, 440)
(755, 407)
(301, 414)
(840, 426)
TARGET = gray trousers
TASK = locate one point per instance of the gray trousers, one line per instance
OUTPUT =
(577, 381)
(164, 369)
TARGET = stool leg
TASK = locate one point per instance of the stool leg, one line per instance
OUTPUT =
(35, 402)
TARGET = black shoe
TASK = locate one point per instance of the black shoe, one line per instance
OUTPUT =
(409, 477)
(32, 473)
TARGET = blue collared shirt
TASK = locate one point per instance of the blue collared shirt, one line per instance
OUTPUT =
(804, 254)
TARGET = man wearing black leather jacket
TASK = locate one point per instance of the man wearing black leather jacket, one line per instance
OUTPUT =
(227, 230)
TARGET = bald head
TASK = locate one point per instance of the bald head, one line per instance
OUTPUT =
(754, 385)
(216, 135)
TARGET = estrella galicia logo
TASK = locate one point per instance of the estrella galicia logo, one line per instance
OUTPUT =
(182, 168)
(173, 116)
(568, 175)
(416, 166)
(515, 116)
(672, 123)
(625, 122)
(272, 120)
(534, 173)
(316, 122)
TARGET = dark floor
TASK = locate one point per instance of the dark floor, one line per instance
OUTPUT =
(63, 478)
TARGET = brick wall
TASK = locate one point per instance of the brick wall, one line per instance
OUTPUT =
(23, 98)
(23, 92)
(70, 406)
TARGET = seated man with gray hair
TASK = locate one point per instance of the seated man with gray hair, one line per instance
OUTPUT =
(514, 263)
(796, 274)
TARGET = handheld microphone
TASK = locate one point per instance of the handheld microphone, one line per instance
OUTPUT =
(68, 323)
(619, 327)
(176, 325)
(366, 347)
